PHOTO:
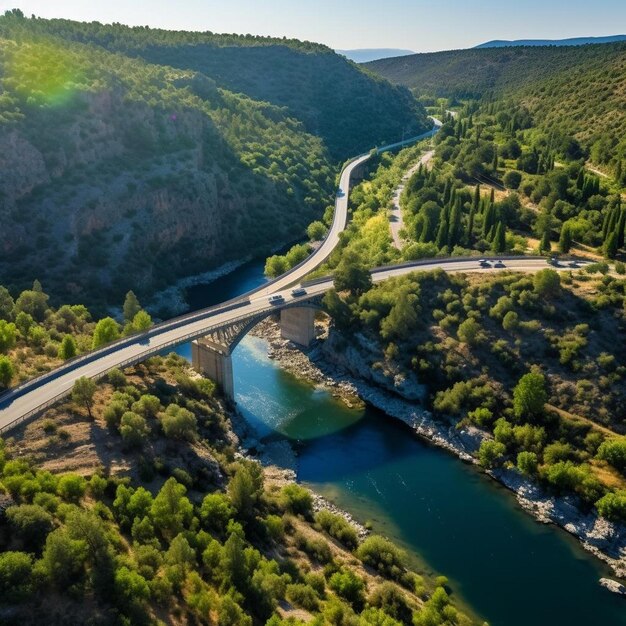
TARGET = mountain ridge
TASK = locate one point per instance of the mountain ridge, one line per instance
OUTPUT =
(571, 41)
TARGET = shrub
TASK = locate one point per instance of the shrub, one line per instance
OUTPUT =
(547, 283)
(72, 487)
(15, 576)
(179, 423)
(134, 429)
(296, 499)
(303, 596)
(527, 463)
(530, 395)
(337, 527)
(613, 506)
(381, 555)
(613, 451)
(348, 585)
(490, 453)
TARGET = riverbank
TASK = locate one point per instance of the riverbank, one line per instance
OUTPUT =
(350, 371)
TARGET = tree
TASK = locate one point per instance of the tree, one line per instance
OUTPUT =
(31, 523)
(490, 453)
(140, 323)
(106, 330)
(499, 241)
(67, 349)
(512, 179)
(402, 319)
(15, 576)
(610, 245)
(33, 302)
(245, 488)
(527, 463)
(352, 275)
(7, 304)
(348, 585)
(382, 555)
(179, 423)
(316, 231)
(215, 512)
(134, 429)
(565, 240)
(547, 283)
(613, 506)
(83, 392)
(171, 510)
(63, 558)
(8, 333)
(530, 395)
(545, 245)
(6, 371)
(131, 306)
(613, 451)
(469, 331)
(72, 487)
(337, 309)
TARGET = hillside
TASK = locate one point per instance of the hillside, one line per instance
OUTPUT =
(575, 91)
(119, 172)
(363, 55)
(572, 41)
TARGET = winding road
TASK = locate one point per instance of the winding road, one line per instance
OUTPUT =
(32, 397)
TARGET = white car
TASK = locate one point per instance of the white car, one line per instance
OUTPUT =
(298, 291)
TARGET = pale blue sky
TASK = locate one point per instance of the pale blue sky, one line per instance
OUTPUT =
(420, 25)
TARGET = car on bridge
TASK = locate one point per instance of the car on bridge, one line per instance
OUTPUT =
(484, 263)
(298, 291)
(276, 299)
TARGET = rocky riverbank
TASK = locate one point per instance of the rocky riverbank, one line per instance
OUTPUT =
(354, 372)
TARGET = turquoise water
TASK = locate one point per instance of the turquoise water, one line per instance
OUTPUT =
(510, 569)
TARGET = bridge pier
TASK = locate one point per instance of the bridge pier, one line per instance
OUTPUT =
(214, 361)
(298, 325)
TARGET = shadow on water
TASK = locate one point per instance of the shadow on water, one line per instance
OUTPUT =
(510, 569)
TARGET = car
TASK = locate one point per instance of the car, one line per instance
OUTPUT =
(484, 263)
(298, 291)
(499, 264)
(276, 299)
(340, 192)
(553, 260)
(573, 264)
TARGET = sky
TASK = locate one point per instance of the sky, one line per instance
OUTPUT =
(418, 25)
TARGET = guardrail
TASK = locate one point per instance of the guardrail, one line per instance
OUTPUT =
(168, 325)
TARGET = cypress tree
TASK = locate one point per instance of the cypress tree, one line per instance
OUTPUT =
(476, 203)
(545, 245)
(495, 161)
(565, 240)
(618, 172)
(446, 192)
(470, 226)
(580, 179)
(489, 218)
(612, 221)
(454, 231)
(621, 224)
(610, 246)
(499, 241)
(426, 228)
(442, 234)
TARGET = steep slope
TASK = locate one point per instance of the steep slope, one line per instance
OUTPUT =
(576, 91)
(119, 173)
(350, 109)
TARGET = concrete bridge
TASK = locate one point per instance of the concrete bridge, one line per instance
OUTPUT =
(211, 355)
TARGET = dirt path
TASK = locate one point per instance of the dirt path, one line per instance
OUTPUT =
(396, 223)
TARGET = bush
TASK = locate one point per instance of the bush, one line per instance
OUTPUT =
(30, 522)
(613, 451)
(547, 283)
(527, 463)
(348, 585)
(303, 596)
(613, 506)
(179, 423)
(296, 499)
(337, 527)
(381, 555)
(530, 395)
(15, 576)
(315, 548)
(72, 487)
(512, 179)
(215, 512)
(491, 453)
(134, 429)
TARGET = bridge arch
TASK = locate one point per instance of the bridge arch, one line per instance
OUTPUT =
(211, 355)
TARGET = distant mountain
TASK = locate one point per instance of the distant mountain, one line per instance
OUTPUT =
(364, 55)
(575, 41)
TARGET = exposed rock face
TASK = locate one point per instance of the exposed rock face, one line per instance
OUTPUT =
(117, 195)
(613, 586)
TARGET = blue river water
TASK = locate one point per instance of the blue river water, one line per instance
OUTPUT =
(449, 517)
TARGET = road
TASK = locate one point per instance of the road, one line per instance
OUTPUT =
(396, 223)
(33, 396)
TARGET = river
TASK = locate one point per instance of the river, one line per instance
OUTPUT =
(451, 518)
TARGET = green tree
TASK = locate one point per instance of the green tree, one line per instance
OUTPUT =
(31, 523)
(613, 451)
(131, 306)
(610, 245)
(565, 240)
(245, 488)
(171, 510)
(215, 512)
(6, 371)
(106, 330)
(7, 304)
(545, 245)
(499, 241)
(352, 275)
(67, 349)
(348, 585)
(512, 179)
(72, 487)
(63, 559)
(383, 556)
(179, 423)
(32, 302)
(316, 231)
(527, 463)
(547, 283)
(134, 429)
(338, 309)
(530, 395)
(613, 506)
(83, 393)
(15, 576)
(8, 334)
(469, 331)
(491, 453)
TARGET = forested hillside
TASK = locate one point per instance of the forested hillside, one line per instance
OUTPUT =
(576, 90)
(121, 171)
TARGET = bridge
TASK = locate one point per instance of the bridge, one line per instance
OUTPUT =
(216, 331)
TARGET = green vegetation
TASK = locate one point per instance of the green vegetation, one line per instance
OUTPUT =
(182, 530)
(530, 360)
